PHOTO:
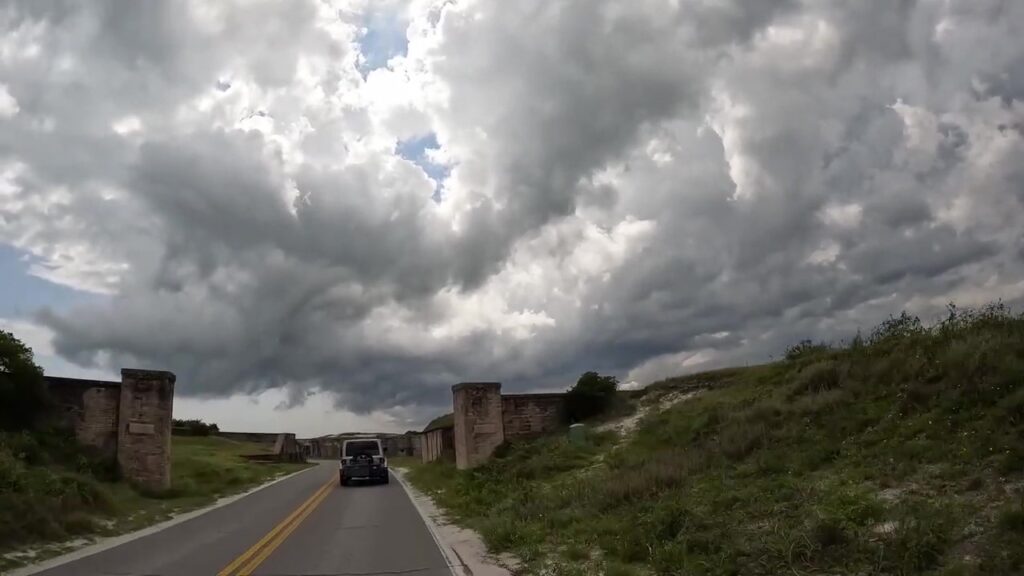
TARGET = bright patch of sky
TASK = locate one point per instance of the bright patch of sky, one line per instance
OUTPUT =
(416, 150)
(383, 39)
(22, 294)
(40, 339)
(267, 411)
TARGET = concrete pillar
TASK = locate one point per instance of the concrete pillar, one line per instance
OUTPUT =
(478, 428)
(144, 428)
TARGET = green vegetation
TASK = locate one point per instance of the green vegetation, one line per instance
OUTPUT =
(207, 468)
(402, 461)
(194, 427)
(51, 490)
(23, 398)
(440, 422)
(901, 453)
(592, 396)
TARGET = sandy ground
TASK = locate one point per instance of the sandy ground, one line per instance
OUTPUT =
(627, 425)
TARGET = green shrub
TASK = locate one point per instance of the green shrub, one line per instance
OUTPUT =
(902, 327)
(195, 427)
(23, 395)
(592, 395)
(804, 349)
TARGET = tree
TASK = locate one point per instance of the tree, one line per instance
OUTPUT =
(195, 427)
(592, 395)
(23, 395)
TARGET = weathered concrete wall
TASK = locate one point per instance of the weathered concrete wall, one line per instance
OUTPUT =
(478, 425)
(437, 444)
(144, 427)
(90, 408)
(254, 437)
(286, 448)
(401, 444)
(531, 414)
(484, 418)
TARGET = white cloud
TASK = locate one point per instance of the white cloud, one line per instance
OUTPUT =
(671, 187)
(845, 216)
(40, 339)
(268, 411)
(8, 105)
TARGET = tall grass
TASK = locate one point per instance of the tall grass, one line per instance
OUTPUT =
(52, 489)
(896, 454)
(49, 489)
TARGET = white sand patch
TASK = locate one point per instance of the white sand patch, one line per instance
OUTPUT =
(627, 425)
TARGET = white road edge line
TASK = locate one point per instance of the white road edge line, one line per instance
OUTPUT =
(447, 552)
(115, 541)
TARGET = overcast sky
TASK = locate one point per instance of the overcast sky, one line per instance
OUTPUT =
(321, 215)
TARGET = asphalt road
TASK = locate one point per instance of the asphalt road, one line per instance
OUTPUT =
(305, 524)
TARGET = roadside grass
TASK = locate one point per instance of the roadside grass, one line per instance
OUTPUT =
(52, 491)
(403, 462)
(902, 453)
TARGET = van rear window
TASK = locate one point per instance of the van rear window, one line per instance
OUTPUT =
(356, 448)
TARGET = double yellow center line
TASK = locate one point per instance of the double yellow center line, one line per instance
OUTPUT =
(253, 557)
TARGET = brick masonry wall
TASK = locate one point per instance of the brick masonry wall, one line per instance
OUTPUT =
(90, 407)
(526, 415)
(144, 427)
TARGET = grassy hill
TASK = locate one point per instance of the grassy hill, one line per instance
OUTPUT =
(901, 453)
(51, 490)
(443, 421)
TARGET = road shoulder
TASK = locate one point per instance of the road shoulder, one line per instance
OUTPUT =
(463, 549)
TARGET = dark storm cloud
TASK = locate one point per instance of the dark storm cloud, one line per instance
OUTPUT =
(630, 189)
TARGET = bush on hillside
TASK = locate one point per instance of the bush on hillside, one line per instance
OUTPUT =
(805, 348)
(196, 427)
(897, 328)
(23, 395)
(592, 395)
